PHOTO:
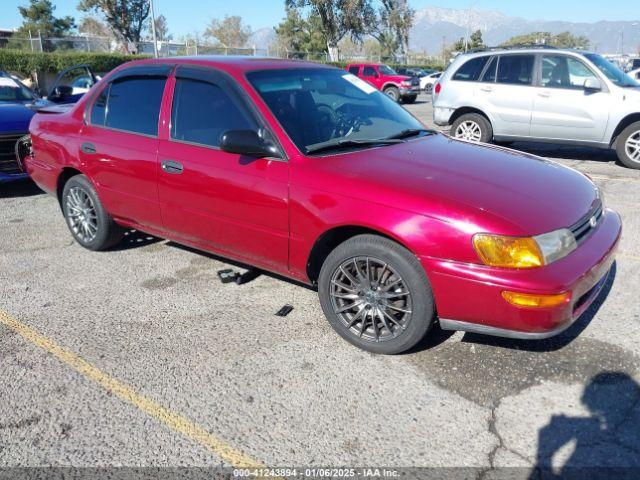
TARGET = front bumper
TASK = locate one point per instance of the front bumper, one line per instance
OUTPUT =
(469, 297)
(409, 91)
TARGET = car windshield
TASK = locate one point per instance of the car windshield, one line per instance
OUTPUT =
(12, 90)
(612, 72)
(386, 70)
(328, 107)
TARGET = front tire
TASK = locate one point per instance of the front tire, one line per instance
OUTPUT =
(376, 295)
(628, 146)
(472, 127)
(89, 223)
(393, 93)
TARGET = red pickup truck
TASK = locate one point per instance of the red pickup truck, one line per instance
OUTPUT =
(387, 80)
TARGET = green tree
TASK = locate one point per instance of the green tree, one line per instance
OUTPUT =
(162, 29)
(127, 18)
(560, 40)
(392, 27)
(338, 19)
(475, 41)
(229, 32)
(301, 34)
(38, 18)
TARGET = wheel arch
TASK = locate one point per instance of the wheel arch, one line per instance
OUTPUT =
(65, 174)
(330, 239)
(390, 84)
(465, 110)
(622, 124)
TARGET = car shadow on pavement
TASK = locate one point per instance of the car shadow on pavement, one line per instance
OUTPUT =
(135, 239)
(605, 443)
(554, 343)
(21, 188)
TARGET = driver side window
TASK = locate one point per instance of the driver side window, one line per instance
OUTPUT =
(559, 71)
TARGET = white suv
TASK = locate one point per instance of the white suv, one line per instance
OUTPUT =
(543, 95)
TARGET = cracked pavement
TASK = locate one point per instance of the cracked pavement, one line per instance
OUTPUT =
(288, 391)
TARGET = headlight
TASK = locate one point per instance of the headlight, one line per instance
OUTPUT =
(406, 83)
(523, 252)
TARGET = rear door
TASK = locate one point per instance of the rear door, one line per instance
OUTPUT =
(119, 143)
(219, 200)
(563, 108)
(507, 91)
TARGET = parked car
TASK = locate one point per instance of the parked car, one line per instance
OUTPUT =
(635, 74)
(18, 104)
(309, 172)
(428, 81)
(543, 95)
(384, 78)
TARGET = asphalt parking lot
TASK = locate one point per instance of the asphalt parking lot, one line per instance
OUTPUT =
(140, 357)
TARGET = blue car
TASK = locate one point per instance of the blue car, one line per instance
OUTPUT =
(18, 104)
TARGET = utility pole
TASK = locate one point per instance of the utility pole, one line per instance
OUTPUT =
(153, 29)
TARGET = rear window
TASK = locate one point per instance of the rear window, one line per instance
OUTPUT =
(470, 71)
(516, 69)
(130, 104)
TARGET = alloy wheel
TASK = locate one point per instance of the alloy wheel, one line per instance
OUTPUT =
(81, 214)
(469, 130)
(371, 299)
(632, 146)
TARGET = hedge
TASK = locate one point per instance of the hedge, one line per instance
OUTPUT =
(392, 65)
(25, 63)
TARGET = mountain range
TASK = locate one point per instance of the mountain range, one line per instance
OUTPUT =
(432, 25)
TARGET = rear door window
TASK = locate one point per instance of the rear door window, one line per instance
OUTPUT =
(516, 69)
(490, 73)
(369, 72)
(470, 71)
(354, 70)
(203, 111)
(131, 104)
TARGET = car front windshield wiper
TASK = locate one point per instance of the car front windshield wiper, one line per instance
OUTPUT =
(346, 143)
(411, 132)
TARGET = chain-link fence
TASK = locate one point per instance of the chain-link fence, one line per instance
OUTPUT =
(90, 43)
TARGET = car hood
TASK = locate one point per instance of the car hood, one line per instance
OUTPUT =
(476, 187)
(15, 117)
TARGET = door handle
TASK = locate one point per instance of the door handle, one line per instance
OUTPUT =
(89, 148)
(487, 89)
(544, 94)
(171, 166)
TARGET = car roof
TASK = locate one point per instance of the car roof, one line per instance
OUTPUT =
(237, 64)
(532, 49)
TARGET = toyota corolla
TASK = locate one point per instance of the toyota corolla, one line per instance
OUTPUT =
(307, 171)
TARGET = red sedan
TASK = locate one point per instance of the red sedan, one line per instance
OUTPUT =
(307, 171)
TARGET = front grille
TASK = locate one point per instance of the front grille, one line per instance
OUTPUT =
(8, 163)
(584, 227)
(415, 81)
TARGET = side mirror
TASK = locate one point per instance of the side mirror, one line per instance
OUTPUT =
(592, 85)
(61, 91)
(247, 142)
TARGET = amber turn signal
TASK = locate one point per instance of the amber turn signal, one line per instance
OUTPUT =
(534, 300)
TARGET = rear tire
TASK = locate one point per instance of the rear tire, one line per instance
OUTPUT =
(376, 295)
(472, 127)
(393, 93)
(88, 221)
(628, 146)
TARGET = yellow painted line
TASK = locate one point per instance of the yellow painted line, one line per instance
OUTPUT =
(173, 420)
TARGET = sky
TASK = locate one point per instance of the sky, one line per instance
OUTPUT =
(189, 16)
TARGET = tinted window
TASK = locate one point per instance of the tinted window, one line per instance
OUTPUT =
(516, 69)
(99, 108)
(471, 70)
(369, 72)
(490, 72)
(564, 72)
(354, 70)
(202, 112)
(132, 104)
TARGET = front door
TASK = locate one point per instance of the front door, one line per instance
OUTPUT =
(214, 199)
(563, 108)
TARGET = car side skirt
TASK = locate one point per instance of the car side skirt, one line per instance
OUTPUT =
(447, 324)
